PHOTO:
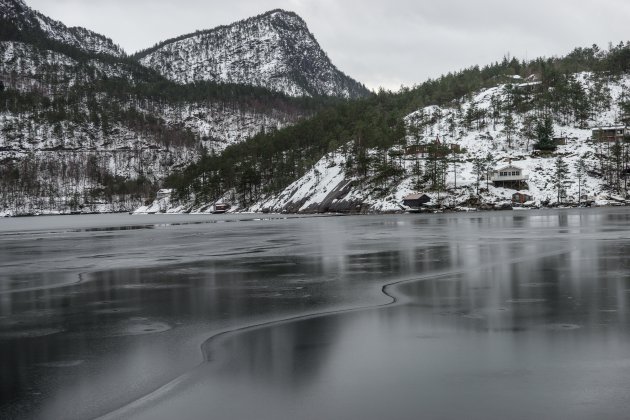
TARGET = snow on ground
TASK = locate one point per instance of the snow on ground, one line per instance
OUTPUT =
(328, 179)
(310, 189)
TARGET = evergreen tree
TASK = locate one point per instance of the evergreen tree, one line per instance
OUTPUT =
(580, 173)
(417, 173)
(544, 134)
(489, 162)
(479, 168)
(561, 169)
(616, 155)
(508, 127)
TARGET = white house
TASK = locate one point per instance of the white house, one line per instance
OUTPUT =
(509, 176)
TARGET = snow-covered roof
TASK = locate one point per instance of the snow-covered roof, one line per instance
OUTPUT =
(528, 84)
(611, 127)
(414, 196)
(509, 168)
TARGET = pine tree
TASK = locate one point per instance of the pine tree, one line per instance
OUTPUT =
(544, 134)
(479, 168)
(489, 162)
(616, 155)
(508, 127)
(580, 172)
(560, 176)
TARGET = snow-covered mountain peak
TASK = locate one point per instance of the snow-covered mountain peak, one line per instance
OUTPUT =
(19, 18)
(273, 50)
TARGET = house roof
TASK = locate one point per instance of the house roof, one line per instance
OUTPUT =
(413, 196)
(508, 168)
(610, 127)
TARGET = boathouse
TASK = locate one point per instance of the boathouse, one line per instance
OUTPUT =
(416, 200)
(521, 197)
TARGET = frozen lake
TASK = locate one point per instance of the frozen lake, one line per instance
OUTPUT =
(504, 315)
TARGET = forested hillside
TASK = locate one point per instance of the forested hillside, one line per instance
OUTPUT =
(18, 22)
(506, 110)
(59, 114)
(84, 127)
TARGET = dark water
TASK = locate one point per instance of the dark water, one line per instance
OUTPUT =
(484, 316)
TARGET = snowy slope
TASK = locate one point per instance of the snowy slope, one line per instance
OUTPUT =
(26, 68)
(447, 124)
(328, 188)
(123, 151)
(274, 50)
(39, 143)
(17, 13)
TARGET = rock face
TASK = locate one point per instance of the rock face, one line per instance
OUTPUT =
(274, 50)
(19, 19)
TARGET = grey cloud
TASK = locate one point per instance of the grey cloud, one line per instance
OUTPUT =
(380, 43)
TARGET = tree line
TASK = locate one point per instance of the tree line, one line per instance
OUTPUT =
(269, 162)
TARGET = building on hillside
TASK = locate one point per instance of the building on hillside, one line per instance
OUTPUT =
(415, 201)
(521, 197)
(526, 88)
(612, 134)
(510, 177)
(440, 149)
(560, 141)
(220, 208)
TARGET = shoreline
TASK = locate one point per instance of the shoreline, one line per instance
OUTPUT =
(457, 209)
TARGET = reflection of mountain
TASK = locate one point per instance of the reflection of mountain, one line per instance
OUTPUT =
(542, 296)
(530, 285)
(287, 356)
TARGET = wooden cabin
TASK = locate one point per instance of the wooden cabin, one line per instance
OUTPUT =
(220, 208)
(416, 200)
(560, 141)
(521, 197)
(610, 134)
(439, 149)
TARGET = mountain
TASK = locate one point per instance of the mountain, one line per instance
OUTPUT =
(83, 127)
(273, 50)
(20, 22)
(443, 138)
(331, 185)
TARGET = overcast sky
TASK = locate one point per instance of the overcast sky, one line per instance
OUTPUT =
(378, 42)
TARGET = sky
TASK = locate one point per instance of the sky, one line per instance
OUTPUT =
(379, 43)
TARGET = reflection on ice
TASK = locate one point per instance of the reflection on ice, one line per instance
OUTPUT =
(493, 313)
